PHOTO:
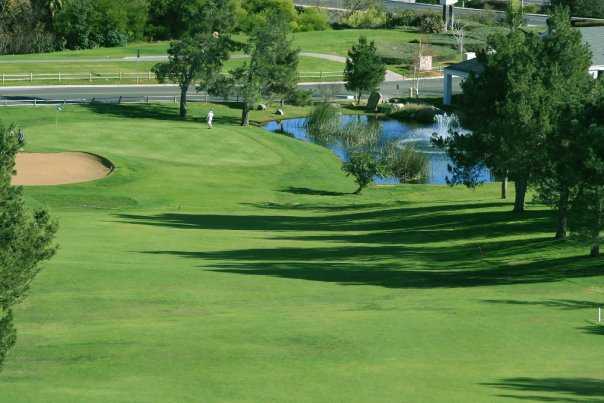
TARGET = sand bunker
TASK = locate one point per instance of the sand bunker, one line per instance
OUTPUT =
(40, 169)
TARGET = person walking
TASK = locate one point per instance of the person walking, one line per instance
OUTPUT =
(210, 118)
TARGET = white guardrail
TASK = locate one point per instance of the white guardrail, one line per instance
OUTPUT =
(138, 77)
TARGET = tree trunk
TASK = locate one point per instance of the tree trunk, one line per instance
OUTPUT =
(520, 185)
(595, 250)
(504, 188)
(359, 94)
(183, 101)
(245, 115)
(562, 228)
(358, 191)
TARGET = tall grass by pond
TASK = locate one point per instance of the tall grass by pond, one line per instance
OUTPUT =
(405, 163)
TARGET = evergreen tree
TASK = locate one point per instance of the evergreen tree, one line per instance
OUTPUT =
(25, 241)
(566, 58)
(364, 70)
(507, 109)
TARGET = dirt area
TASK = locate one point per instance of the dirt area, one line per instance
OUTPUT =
(43, 169)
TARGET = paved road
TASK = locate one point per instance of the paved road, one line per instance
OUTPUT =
(428, 87)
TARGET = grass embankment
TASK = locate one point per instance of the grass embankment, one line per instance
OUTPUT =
(398, 47)
(234, 265)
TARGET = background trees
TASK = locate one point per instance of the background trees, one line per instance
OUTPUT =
(200, 54)
(364, 69)
(271, 71)
(25, 240)
(582, 8)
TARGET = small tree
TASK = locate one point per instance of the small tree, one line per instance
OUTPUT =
(364, 69)
(272, 70)
(363, 167)
(25, 241)
(200, 57)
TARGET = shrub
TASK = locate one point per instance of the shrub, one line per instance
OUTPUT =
(407, 164)
(421, 113)
(371, 18)
(431, 23)
(300, 98)
(312, 19)
(405, 18)
(362, 166)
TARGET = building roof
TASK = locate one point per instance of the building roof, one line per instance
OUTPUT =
(594, 36)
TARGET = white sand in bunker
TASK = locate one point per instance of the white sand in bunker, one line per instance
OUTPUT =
(40, 169)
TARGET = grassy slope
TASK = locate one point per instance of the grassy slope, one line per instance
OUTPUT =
(391, 43)
(232, 266)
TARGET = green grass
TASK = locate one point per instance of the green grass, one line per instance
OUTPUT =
(308, 68)
(398, 47)
(233, 265)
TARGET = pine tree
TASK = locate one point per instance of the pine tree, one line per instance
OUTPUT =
(26, 239)
(507, 109)
(566, 58)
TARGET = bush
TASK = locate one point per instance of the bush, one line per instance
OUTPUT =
(405, 18)
(362, 166)
(372, 18)
(407, 164)
(421, 113)
(312, 19)
(431, 23)
(300, 98)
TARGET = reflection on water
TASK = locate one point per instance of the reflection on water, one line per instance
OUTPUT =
(389, 132)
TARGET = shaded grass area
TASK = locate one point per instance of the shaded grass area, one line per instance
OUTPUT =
(234, 265)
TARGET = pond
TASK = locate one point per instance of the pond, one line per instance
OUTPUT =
(390, 132)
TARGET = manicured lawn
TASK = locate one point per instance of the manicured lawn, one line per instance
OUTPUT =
(399, 48)
(233, 265)
(109, 71)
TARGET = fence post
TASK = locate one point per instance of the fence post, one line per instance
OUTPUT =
(175, 99)
(149, 75)
(59, 76)
(120, 76)
(31, 77)
(90, 77)
(119, 101)
(147, 99)
(35, 102)
(2, 78)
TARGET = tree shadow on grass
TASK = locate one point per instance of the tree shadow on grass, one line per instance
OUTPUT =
(313, 192)
(597, 329)
(565, 304)
(152, 111)
(400, 250)
(561, 389)
(394, 226)
(313, 265)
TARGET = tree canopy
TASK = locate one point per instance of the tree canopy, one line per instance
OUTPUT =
(364, 69)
